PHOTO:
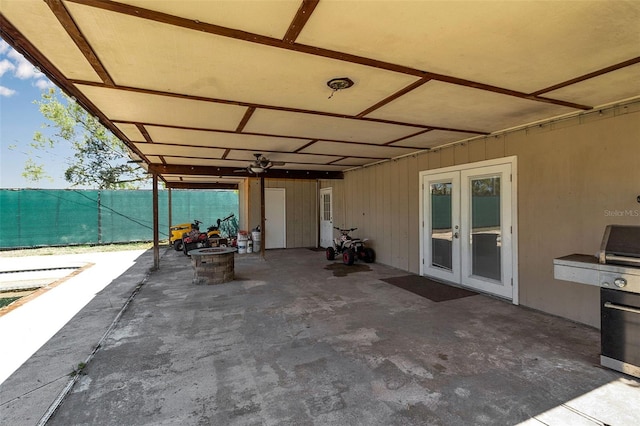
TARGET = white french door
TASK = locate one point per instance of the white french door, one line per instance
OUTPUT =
(443, 228)
(468, 219)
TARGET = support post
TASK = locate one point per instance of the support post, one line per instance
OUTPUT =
(262, 219)
(156, 242)
(170, 207)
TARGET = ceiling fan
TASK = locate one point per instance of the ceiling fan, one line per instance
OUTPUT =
(260, 165)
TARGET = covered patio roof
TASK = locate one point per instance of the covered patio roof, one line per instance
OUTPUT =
(196, 88)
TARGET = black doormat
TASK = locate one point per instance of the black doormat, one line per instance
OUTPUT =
(316, 248)
(430, 289)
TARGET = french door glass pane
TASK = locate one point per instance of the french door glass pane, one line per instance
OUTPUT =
(441, 231)
(326, 212)
(486, 234)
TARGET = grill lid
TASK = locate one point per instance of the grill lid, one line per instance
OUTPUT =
(620, 245)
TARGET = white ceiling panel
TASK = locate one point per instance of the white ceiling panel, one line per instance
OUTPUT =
(447, 105)
(353, 162)
(40, 26)
(604, 89)
(433, 138)
(287, 158)
(123, 105)
(353, 150)
(201, 179)
(270, 18)
(323, 127)
(154, 159)
(181, 161)
(223, 140)
(314, 167)
(179, 151)
(131, 131)
(520, 45)
(135, 53)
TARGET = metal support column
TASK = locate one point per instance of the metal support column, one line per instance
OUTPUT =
(170, 207)
(262, 219)
(156, 240)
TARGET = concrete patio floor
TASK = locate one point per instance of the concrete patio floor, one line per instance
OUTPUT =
(297, 340)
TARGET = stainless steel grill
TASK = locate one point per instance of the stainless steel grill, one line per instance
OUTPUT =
(620, 245)
(616, 270)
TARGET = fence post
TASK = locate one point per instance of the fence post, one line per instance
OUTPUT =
(99, 219)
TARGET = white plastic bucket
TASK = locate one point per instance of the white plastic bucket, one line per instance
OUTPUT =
(242, 246)
(256, 236)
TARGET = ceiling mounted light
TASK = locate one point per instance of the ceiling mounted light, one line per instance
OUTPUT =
(340, 83)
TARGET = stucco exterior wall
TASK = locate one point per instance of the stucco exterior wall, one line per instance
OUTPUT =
(574, 177)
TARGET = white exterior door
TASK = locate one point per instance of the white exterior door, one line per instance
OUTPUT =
(326, 217)
(487, 243)
(468, 217)
(275, 218)
(442, 225)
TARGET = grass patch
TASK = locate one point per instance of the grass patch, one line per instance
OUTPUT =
(49, 251)
(7, 301)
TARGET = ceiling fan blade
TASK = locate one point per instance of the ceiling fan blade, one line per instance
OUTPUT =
(278, 163)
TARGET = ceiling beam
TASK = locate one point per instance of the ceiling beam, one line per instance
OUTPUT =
(67, 22)
(584, 77)
(162, 169)
(394, 96)
(302, 16)
(200, 185)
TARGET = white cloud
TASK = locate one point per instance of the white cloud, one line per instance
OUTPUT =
(6, 65)
(44, 83)
(6, 91)
(17, 66)
(24, 70)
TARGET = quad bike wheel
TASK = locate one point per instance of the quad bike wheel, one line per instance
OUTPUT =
(331, 253)
(348, 257)
(369, 255)
(178, 245)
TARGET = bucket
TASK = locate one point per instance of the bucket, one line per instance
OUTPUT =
(256, 236)
(242, 246)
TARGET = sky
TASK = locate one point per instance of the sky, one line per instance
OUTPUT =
(20, 85)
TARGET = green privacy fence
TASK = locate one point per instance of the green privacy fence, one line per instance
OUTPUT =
(38, 217)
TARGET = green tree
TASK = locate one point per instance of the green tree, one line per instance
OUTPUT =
(100, 158)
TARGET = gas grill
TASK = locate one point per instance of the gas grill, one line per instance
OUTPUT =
(616, 270)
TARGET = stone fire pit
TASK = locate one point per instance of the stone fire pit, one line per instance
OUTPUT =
(213, 265)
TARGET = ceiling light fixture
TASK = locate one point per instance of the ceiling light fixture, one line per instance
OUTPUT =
(340, 83)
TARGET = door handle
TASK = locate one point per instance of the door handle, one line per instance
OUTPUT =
(621, 308)
(455, 235)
